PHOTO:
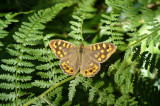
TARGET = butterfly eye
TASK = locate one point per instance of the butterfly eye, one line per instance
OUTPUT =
(71, 70)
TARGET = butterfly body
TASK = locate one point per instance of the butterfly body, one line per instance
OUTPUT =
(87, 59)
(81, 48)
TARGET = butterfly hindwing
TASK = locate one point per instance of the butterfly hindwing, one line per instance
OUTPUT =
(89, 66)
(62, 48)
(70, 65)
(100, 52)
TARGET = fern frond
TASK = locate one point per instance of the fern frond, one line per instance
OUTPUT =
(86, 7)
(91, 94)
(9, 19)
(114, 4)
(4, 23)
(123, 75)
(23, 53)
(128, 101)
(76, 27)
(42, 84)
(11, 78)
(72, 87)
(57, 94)
(94, 90)
(68, 103)
(7, 96)
(47, 66)
(112, 29)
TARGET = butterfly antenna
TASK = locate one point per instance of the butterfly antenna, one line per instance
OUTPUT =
(87, 37)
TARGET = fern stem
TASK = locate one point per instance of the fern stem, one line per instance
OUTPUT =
(138, 41)
(16, 89)
(83, 17)
(81, 31)
(49, 90)
(111, 26)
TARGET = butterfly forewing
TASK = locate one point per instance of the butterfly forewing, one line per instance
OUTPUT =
(100, 52)
(62, 48)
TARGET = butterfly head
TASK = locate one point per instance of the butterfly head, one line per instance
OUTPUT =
(82, 45)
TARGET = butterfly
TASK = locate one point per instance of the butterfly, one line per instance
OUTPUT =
(87, 59)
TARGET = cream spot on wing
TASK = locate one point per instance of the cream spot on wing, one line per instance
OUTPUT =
(64, 53)
(95, 55)
(102, 56)
(91, 47)
(63, 63)
(95, 66)
(59, 52)
(91, 64)
(108, 55)
(67, 46)
(61, 55)
(104, 45)
(64, 44)
(109, 48)
(60, 48)
(59, 42)
(99, 59)
(67, 61)
(71, 46)
(98, 47)
(94, 47)
(54, 45)
(102, 51)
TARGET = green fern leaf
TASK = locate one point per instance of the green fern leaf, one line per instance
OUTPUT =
(111, 29)
(72, 87)
(76, 27)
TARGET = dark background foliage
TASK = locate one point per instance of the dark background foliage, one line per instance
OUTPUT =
(30, 72)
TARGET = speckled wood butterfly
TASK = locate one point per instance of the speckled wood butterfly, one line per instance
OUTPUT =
(87, 58)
